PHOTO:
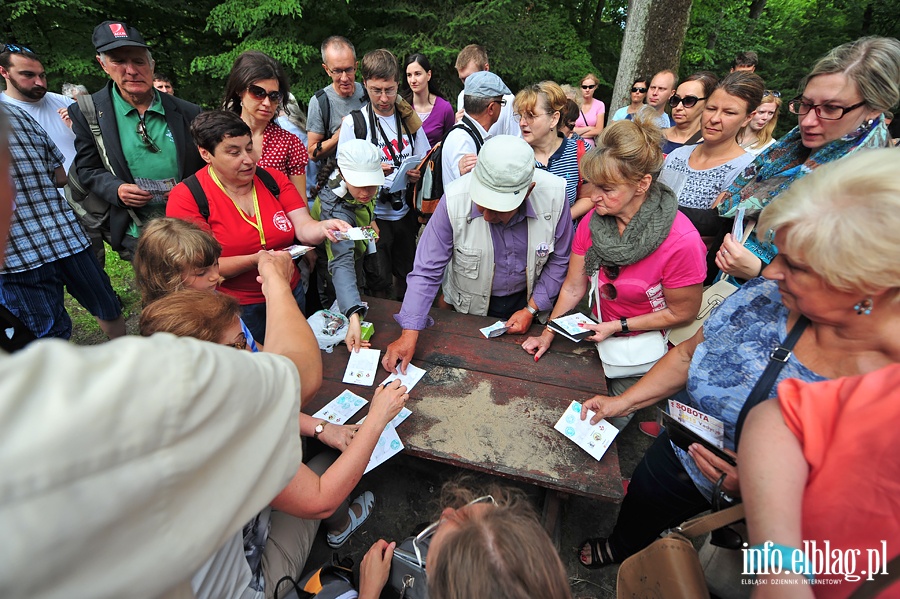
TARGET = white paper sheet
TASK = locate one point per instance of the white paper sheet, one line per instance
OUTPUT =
(413, 375)
(362, 367)
(594, 439)
(340, 409)
(389, 445)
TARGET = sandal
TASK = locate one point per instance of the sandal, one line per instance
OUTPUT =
(365, 503)
(598, 559)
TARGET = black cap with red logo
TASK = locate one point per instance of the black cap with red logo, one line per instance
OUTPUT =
(109, 35)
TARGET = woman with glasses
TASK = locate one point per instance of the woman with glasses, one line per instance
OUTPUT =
(590, 119)
(538, 109)
(422, 93)
(757, 135)
(839, 112)
(833, 287)
(687, 107)
(638, 99)
(488, 546)
(256, 89)
(251, 211)
(699, 173)
(635, 251)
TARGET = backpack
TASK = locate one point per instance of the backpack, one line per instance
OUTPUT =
(430, 188)
(331, 581)
(193, 185)
(325, 111)
(91, 210)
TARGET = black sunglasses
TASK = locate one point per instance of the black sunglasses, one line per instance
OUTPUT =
(688, 101)
(772, 92)
(639, 90)
(608, 290)
(145, 137)
(261, 94)
(16, 49)
(588, 86)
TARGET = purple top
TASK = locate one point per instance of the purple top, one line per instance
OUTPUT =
(510, 243)
(440, 120)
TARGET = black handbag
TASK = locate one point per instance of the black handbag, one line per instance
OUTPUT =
(408, 569)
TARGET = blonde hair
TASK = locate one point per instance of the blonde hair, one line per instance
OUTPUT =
(843, 218)
(500, 551)
(765, 134)
(625, 151)
(191, 313)
(166, 248)
(528, 99)
(472, 53)
(872, 63)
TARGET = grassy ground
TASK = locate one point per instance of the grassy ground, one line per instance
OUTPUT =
(85, 330)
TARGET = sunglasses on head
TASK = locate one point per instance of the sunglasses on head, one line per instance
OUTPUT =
(772, 92)
(639, 90)
(588, 86)
(261, 94)
(688, 101)
(16, 49)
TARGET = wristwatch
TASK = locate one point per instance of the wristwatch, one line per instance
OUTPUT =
(320, 428)
(624, 323)
(532, 311)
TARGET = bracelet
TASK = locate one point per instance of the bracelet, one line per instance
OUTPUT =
(762, 266)
(760, 557)
(548, 328)
(624, 322)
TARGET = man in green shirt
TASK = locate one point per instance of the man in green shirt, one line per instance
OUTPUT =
(146, 135)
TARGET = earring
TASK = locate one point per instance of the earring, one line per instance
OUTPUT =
(864, 307)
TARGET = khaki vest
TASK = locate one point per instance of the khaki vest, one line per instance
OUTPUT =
(468, 276)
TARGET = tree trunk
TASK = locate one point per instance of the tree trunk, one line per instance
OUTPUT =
(654, 34)
(756, 8)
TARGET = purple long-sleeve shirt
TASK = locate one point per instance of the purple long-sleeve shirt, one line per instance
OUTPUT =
(511, 249)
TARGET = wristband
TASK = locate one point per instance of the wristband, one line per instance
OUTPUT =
(762, 267)
(532, 311)
(318, 149)
(760, 557)
(624, 322)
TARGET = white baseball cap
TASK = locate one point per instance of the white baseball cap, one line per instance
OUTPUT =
(503, 174)
(360, 163)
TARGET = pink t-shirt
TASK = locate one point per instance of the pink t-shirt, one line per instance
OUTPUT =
(679, 262)
(588, 118)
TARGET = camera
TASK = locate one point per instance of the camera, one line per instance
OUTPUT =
(394, 199)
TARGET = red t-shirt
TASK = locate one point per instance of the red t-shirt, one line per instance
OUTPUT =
(852, 496)
(238, 237)
(283, 151)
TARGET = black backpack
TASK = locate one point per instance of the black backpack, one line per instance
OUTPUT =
(430, 189)
(193, 184)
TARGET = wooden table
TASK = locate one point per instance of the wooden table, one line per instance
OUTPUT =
(485, 404)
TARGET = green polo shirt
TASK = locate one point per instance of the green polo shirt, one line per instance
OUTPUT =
(142, 162)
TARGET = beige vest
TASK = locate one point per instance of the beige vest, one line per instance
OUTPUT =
(468, 276)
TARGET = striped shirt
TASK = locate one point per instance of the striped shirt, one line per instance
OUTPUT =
(564, 163)
(43, 227)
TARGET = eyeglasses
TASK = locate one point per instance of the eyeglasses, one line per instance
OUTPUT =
(501, 102)
(529, 117)
(688, 101)
(261, 94)
(240, 342)
(432, 528)
(639, 90)
(588, 86)
(145, 137)
(608, 291)
(16, 49)
(772, 92)
(341, 72)
(828, 112)
(390, 92)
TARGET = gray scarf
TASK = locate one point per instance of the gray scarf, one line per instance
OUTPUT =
(643, 234)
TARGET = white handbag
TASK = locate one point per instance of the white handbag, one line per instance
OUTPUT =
(633, 355)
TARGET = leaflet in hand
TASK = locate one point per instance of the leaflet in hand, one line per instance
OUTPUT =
(568, 326)
(357, 234)
(399, 418)
(737, 231)
(709, 427)
(362, 367)
(389, 445)
(298, 250)
(340, 409)
(413, 375)
(593, 438)
(494, 330)
(400, 179)
(157, 187)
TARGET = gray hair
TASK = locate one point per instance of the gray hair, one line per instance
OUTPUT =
(338, 41)
(872, 63)
(843, 218)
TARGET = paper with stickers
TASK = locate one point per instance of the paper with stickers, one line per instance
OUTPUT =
(362, 367)
(413, 375)
(342, 408)
(389, 445)
(593, 438)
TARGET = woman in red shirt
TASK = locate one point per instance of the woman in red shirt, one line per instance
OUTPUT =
(245, 217)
